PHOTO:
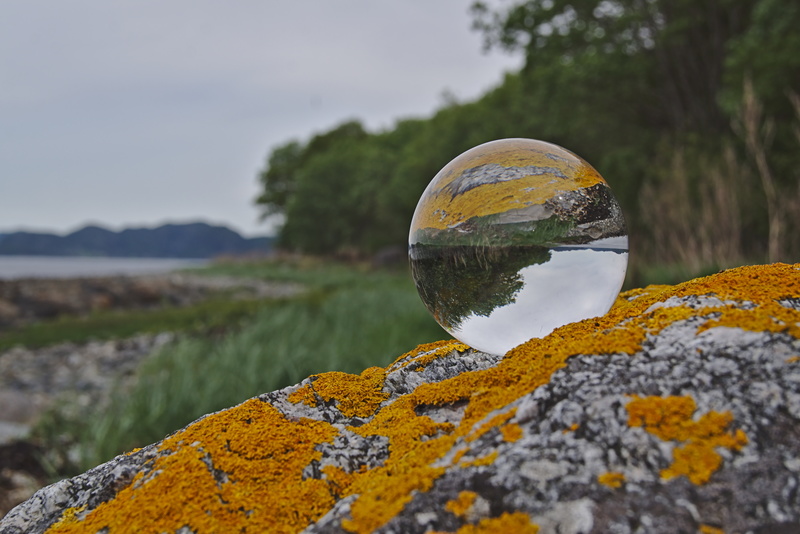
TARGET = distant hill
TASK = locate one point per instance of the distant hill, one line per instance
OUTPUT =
(194, 240)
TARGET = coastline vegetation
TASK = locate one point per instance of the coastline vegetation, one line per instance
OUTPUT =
(349, 318)
(210, 316)
(689, 110)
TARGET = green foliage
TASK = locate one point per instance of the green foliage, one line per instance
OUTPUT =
(619, 82)
(672, 49)
(207, 316)
(769, 53)
(278, 177)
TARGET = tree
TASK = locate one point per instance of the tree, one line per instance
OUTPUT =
(279, 177)
(623, 83)
(674, 49)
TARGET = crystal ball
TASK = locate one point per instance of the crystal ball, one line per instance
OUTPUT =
(514, 238)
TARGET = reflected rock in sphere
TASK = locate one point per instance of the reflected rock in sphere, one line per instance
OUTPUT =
(514, 238)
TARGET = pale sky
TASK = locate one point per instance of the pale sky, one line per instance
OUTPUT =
(140, 112)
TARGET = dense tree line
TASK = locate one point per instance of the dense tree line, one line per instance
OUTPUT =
(660, 96)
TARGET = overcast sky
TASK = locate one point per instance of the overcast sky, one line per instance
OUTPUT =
(140, 112)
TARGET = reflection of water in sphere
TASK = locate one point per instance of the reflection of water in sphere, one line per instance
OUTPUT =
(513, 239)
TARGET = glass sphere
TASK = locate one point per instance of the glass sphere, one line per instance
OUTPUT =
(514, 238)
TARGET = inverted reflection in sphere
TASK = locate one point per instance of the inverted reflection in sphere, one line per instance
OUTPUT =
(514, 238)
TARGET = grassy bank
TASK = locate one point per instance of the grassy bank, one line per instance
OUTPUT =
(349, 319)
(213, 315)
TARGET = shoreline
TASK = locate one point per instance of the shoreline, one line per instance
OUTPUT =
(77, 375)
(27, 300)
(18, 267)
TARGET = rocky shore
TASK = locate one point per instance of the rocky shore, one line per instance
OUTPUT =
(80, 375)
(75, 376)
(32, 299)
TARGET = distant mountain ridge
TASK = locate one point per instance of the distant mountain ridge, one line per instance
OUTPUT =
(193, 240)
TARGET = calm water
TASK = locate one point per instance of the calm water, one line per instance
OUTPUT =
(12, 267)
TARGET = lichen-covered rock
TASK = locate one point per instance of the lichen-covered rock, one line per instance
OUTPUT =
(678, 411)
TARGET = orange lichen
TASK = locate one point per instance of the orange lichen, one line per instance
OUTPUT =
(612, 479)
(488, 459)
(708, 529)
(263, 455)
(772, 317)
(572, 428)
(670, 418)
(511, 432)
(793, 359)
(180, 489)
(70, 516)
(305, 395)
(338, 479)
(425, 354)
(494, 422)
(461, 505)
(458, 455)
(355, 395)
(516, 522)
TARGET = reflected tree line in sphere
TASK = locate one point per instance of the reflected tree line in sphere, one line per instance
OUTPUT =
(458, 281)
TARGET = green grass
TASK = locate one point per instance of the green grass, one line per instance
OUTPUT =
(208, 316)
(348, 320)
(311, 272)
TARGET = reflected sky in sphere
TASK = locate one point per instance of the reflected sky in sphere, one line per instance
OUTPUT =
(575, 284)
(513, 239)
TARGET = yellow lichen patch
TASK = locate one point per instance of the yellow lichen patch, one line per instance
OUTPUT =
(772, 317)
(516, 522)
(70, 516)
(458, 455)
(670, 418)
(511, 432)
(338, 479)
(612, 479)
(305, 395)
(793, 359)
(633, 294)
(461, 505)
(488, 459)
(355, 395)
(262, 456)
(425, 354)
(708, 529)
(494, 422)
(370, 511)
(666, 417)
(572, 428)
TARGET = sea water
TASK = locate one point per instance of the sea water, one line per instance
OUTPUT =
(15, 267)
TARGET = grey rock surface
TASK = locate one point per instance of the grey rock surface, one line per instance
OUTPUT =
(683, 417)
